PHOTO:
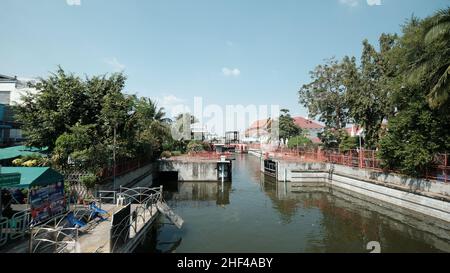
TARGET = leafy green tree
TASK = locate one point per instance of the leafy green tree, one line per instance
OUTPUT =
(59, 104)
(368, 91)
(416, 131)
(435, 64)
(299, 142)
(287, 126)
(324, 97)
(80, 118)
(349, 143)
(332, 138)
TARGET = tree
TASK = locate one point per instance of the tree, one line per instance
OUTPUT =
(368, 92)
(299, 142)
(58, 105)
(77, 118)
(435, 62)
(332, 138)
(324, 97)
(349, 143)
(416, 131)
(287, 126)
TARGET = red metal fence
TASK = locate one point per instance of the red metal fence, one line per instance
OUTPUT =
(206, 155)
(123, 168)
(366, 159)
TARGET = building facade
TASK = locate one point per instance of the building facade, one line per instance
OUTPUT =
(11, 91)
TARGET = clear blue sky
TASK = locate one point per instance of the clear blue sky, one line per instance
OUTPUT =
(227, 51)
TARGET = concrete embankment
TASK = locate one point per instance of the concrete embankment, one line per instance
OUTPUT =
(141, 177)
(428, 197)
(190, 169)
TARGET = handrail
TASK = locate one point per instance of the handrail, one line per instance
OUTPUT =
(41, 235)
(143, 210)
(101, 197)
(21, 221)
(4, 223)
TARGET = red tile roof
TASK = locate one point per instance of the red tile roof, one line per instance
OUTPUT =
(307, 123)
(260, 124)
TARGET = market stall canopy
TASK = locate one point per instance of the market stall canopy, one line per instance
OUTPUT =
(18, 151)
(30, 176)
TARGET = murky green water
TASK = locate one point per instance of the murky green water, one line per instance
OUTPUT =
(254, 214)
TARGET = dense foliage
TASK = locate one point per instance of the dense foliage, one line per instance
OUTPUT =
(299, 142)
(287, 126)
(78, 120)
(405, 83)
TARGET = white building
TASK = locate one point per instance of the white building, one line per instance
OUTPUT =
(11, 91)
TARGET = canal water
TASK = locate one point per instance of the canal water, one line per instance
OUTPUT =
(255, 214)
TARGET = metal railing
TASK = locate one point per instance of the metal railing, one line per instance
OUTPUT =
(123, 168)
(145, 201)
(54, 237)
(4, 226)
(20, 224)
(365, 159)
(15, 228)
(106, 197)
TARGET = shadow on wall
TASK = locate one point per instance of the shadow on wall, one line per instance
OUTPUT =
(414, 184)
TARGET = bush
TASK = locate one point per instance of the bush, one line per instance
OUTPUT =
(166, 154)
(176, 153)
(34, 160)
(17, 162)
(299, 141)
(89, 180)
(349, 143)
(30, 163)
(196, 146)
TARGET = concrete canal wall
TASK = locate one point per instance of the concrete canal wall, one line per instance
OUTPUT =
(190, 170)
(420, 195)
(142, 177)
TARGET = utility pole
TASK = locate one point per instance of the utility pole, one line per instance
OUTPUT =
(114, 157)
(360, 149)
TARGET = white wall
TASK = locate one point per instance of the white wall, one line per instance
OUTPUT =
(11, 93)
(6, 88)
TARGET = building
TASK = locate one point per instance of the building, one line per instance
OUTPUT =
(354, 130)
(11, 91)
(231, 137)
(310, 127)
(260, 129)
(198, 132)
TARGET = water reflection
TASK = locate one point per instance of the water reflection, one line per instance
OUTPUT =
(256, 214)
(200, 193)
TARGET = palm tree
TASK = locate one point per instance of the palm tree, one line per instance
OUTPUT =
(437, 36)
(149, 110)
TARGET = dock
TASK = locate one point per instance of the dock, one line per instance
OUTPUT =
(120, 228)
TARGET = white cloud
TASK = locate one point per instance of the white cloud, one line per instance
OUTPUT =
(171, 100)
(350, 3)
(172, 104)
(228, 72)
(354, 3)
(374, 2)
(115, 64)
(73, 2)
